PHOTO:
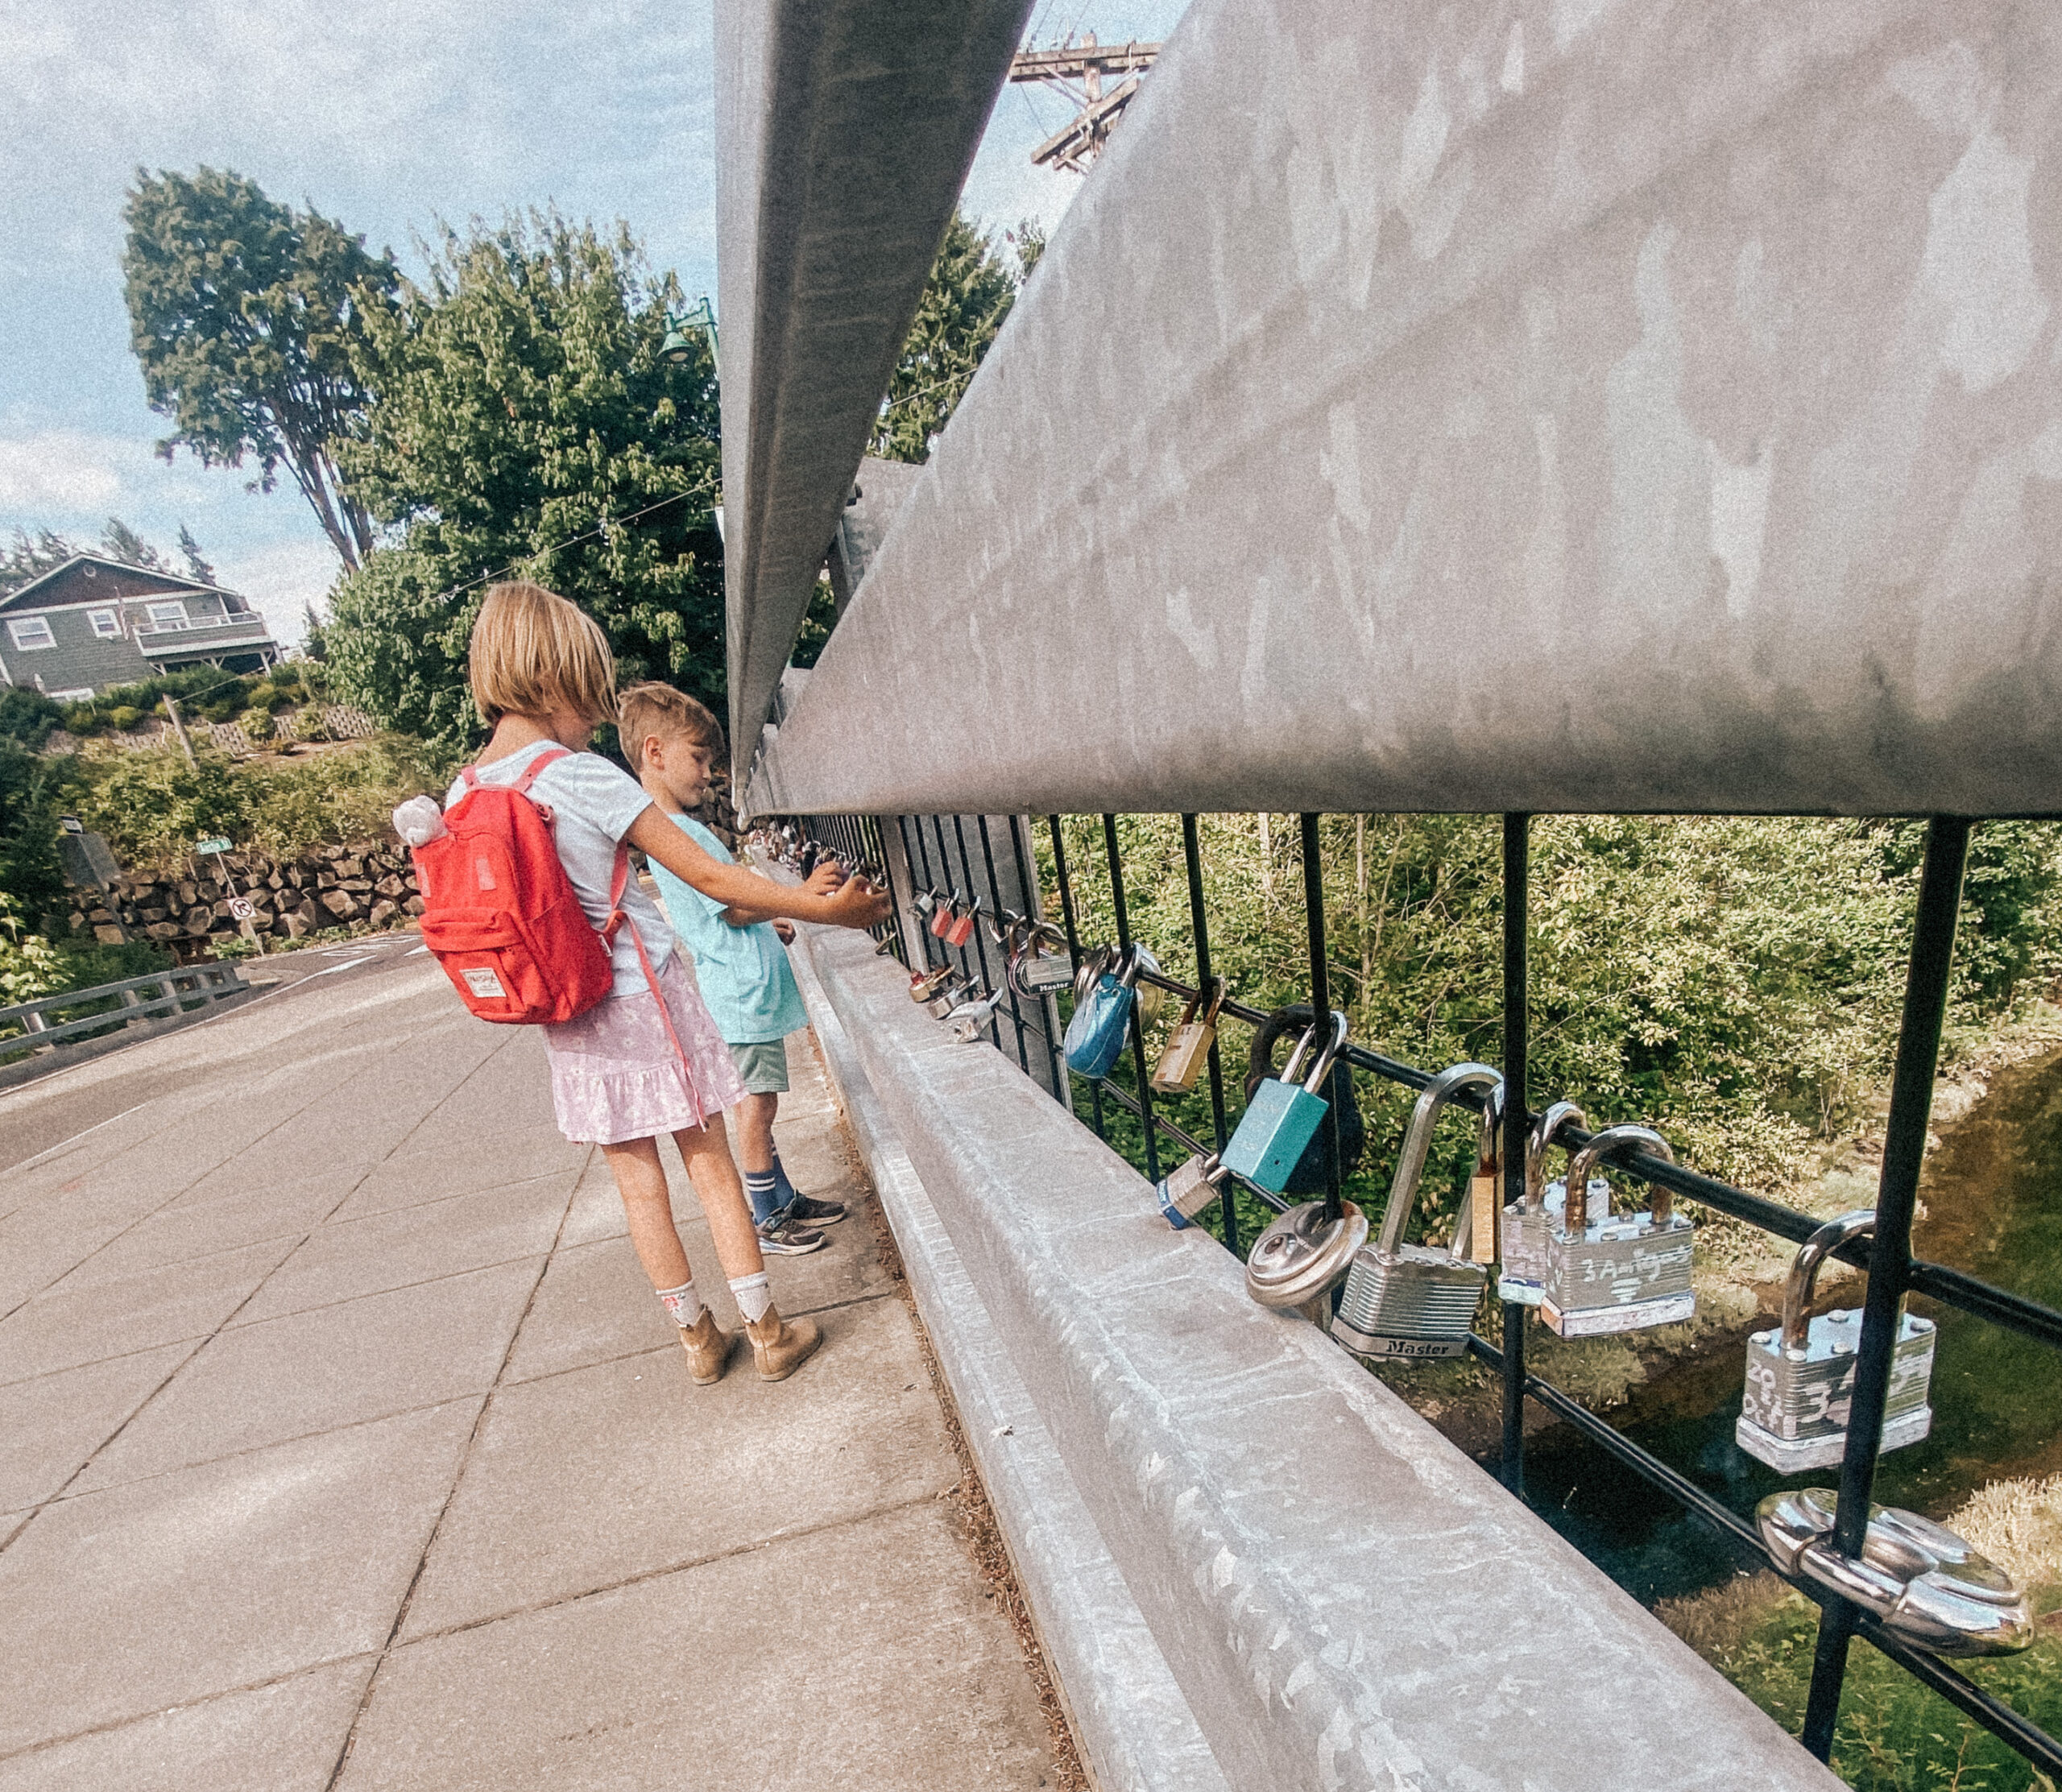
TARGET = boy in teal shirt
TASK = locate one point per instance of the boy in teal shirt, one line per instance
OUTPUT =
(740, 962)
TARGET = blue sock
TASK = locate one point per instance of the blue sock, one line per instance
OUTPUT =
(784, 1190)
(762, 1188)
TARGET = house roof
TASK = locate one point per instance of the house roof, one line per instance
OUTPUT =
(56, 586)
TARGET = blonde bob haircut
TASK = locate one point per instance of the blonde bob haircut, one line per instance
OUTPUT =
(643, 710)
(533, 652)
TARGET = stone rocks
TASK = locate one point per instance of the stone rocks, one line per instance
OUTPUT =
(332, 886)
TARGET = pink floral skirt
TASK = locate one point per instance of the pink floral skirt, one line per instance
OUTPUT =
(615, 1076)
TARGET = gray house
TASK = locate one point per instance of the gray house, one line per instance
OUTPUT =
(92, 623)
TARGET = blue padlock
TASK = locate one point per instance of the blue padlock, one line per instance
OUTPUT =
(1104, 998)
(1283, 1117)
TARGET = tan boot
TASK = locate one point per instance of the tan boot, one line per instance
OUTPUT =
(780, 1346)
(708, 1347)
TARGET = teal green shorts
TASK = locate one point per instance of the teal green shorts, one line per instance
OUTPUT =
(763, 1065)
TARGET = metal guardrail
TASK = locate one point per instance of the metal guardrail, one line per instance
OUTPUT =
(927, 859)
(29, 1023)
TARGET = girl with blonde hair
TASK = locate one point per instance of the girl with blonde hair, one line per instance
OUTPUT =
(627, 1070)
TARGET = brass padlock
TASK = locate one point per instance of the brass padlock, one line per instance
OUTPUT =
(1033, 971)
(1188, 1050)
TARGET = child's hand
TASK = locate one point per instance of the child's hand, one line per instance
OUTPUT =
(857, 905)
(824, 879)
(785, 932)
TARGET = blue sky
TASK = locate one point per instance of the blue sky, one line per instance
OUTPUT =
(387, 116)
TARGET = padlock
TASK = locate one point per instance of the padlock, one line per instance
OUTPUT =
(1186, 1052)
(1408, 1301)
(1628, 1271)
(925, 902)
(925, 984)
(1190, 1188)
(1035, 971)
(1296, 1261)
(968, 1021)
(1102, 1016)
(1151, 998)
(1919, 1580)
(951, 993)
(962, 929)
(1800, 1377)
(1283, 1117)
(944, 911)
(1344, 1129)
(1523, 1279)
(1484, 1201)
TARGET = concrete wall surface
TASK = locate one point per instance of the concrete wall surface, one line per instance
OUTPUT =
(1253, 1565)
(1512, 404)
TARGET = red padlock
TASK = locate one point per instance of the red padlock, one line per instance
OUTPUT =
(942, 921)
(962, 930)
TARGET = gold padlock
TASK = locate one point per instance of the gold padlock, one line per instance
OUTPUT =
(1186, 1054)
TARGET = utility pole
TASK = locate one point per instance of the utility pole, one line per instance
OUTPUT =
(1077, 71)
(179, 728)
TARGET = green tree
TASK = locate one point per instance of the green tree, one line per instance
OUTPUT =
(243, 312)
(29, 870)
(123, 543)
(27, 558)
(971, 287)
(198, 567)
(526, 424)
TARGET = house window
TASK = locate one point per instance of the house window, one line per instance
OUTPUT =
(165, 616)
(31, 632)
(107, 625)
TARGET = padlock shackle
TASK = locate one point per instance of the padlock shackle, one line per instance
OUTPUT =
(1304, 1040)
(1489, 1142)
(1321, 1071)
(1418, 1141)
(1803, 1275)
(1215, 993)
(1539, 1141)
(1613, 1141)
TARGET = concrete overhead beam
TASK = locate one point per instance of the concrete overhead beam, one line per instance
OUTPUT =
(1505, 406)
(845, 129)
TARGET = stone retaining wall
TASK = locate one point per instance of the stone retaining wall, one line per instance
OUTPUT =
(330, 887)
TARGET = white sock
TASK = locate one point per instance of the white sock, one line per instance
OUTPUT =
(683, 1305)
(754, 1296)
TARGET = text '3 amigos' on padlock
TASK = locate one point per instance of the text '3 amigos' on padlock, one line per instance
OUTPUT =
(1627, 1271)
(1800, 1377)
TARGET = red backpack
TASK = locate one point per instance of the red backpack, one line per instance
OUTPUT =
(500, 913)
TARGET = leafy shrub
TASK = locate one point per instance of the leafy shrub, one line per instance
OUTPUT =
(27, 716)
(256, 724)
(29, 966)
(125, 716)
(83, 718)
(30, 871)
(226, 709)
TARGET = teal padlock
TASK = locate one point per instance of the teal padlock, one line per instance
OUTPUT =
(1282, 1116)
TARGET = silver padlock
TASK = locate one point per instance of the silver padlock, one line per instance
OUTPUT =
(1040, 966)
(1405, 1300)
(1191, 1187)
(968, 1022)
(1628, 1270)
(954, 990)
(1922, 1583)
(1800, 1377)
(1295, 1261)
(1522, 1280)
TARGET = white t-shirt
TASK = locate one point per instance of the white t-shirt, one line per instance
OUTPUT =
(593, 804)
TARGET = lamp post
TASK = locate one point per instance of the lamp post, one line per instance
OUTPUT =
(678, 344)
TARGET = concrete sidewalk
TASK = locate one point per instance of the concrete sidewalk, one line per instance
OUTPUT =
(346, 1446)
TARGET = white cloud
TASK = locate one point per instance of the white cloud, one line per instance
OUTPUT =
(282, 579)
(62, 474)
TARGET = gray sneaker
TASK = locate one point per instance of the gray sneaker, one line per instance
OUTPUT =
(782, 1234)
(812, 1212)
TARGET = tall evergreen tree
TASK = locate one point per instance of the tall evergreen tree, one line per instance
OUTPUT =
(243, 312)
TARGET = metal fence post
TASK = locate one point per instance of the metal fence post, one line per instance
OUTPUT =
(1517, 1119)
(1890, 1250)
(1137, 1031)
(1321, 999)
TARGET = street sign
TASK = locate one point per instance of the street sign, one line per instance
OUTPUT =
(213, 843)
(242, 907)
(71, 823)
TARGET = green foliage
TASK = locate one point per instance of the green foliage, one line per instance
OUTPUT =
(153, 806)
(521, 404)
(30, 873)
(124, 717)
(29, 966)
(243, 313)
(970, 290)
(27, 558)
(27, 716)
(256, 723)
(1736, 981)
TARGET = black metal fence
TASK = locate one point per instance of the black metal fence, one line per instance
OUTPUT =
(958, 854)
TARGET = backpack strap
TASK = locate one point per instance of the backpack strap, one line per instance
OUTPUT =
(470, 777)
